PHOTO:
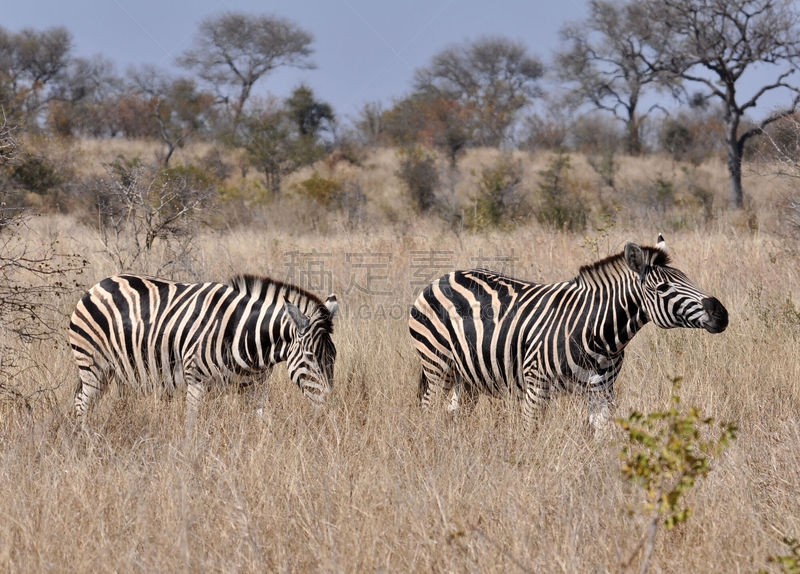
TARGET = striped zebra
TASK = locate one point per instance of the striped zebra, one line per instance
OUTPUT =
(482, 332)
(148, 332)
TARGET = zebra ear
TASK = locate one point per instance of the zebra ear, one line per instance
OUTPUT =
(661, 244)
(300, 321)
(332, 305)
(634, 257)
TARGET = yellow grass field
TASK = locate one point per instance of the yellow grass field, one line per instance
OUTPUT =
(370, 483)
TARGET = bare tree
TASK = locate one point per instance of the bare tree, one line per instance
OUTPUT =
(81, 98)
(177, 107)
(8, 143)
(370, 123)
(232, 51)
(30, 62)
(715, 42)
(139, 206)
(606, 62)
(33, 275)
(491, 78)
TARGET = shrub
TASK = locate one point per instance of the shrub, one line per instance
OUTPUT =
(324, 191)
(418, 171)
(675, 139)
(499, 201)
(140, 206)
(666, 452)
(332, 194)
(35, 174)
(788, 563)
(561, 206)
(661, 193)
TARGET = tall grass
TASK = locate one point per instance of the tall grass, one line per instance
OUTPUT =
(370, 483)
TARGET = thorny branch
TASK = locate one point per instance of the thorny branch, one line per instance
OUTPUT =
(140, 206)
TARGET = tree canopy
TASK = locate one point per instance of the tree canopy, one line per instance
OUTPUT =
(715, 42)
(606, 59)
(232, 51)
(492, 79)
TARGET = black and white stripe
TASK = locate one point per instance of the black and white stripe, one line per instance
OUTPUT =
(482, 332)
(147, 332)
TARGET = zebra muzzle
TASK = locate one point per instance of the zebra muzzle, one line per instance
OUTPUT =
(717, 315)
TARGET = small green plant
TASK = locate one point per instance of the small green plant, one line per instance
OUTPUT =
(320, 189)
(561, 206)
(665, 453)
(498, 202)
(788, 563)
(603, 229)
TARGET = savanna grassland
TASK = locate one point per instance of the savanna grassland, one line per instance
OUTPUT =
(369, 482)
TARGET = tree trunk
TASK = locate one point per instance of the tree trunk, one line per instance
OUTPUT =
(633, 144)
(734, 151)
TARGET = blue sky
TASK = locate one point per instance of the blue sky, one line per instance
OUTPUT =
(365, 50)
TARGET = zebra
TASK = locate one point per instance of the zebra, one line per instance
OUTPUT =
(482, 332)
(145, 331)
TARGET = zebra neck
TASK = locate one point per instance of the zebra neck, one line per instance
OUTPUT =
(618, 304)
(280, 352)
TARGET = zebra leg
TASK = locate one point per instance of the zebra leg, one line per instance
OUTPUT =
(195, 391)
(455, 399)
(600, 402)
(537, 395)
(91, 387)
(431, 382)
(256, 396)
(468, 397)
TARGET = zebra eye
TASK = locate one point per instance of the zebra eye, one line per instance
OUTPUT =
(663, 287)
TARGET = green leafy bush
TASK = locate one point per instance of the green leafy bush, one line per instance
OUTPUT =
(320, 189)
(499, 201)
(36, 174)
(418, 171)
(665, 453)
(561, 206)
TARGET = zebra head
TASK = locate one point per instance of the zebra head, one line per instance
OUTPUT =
(311, 352)
(670, 299)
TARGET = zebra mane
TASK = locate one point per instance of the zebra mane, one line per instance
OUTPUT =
(655, 256)
(256, 286)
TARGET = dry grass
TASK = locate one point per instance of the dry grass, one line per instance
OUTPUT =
(370, 483)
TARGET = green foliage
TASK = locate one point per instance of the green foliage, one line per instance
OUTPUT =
(36, 174)
(320, 189)
(418, 171)
(675, 139)
(667, 452)
(498, 201)
(788, 563)
(267, 142)
(309, 115)
(561, 207)
(602, 231)
(344, 196)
